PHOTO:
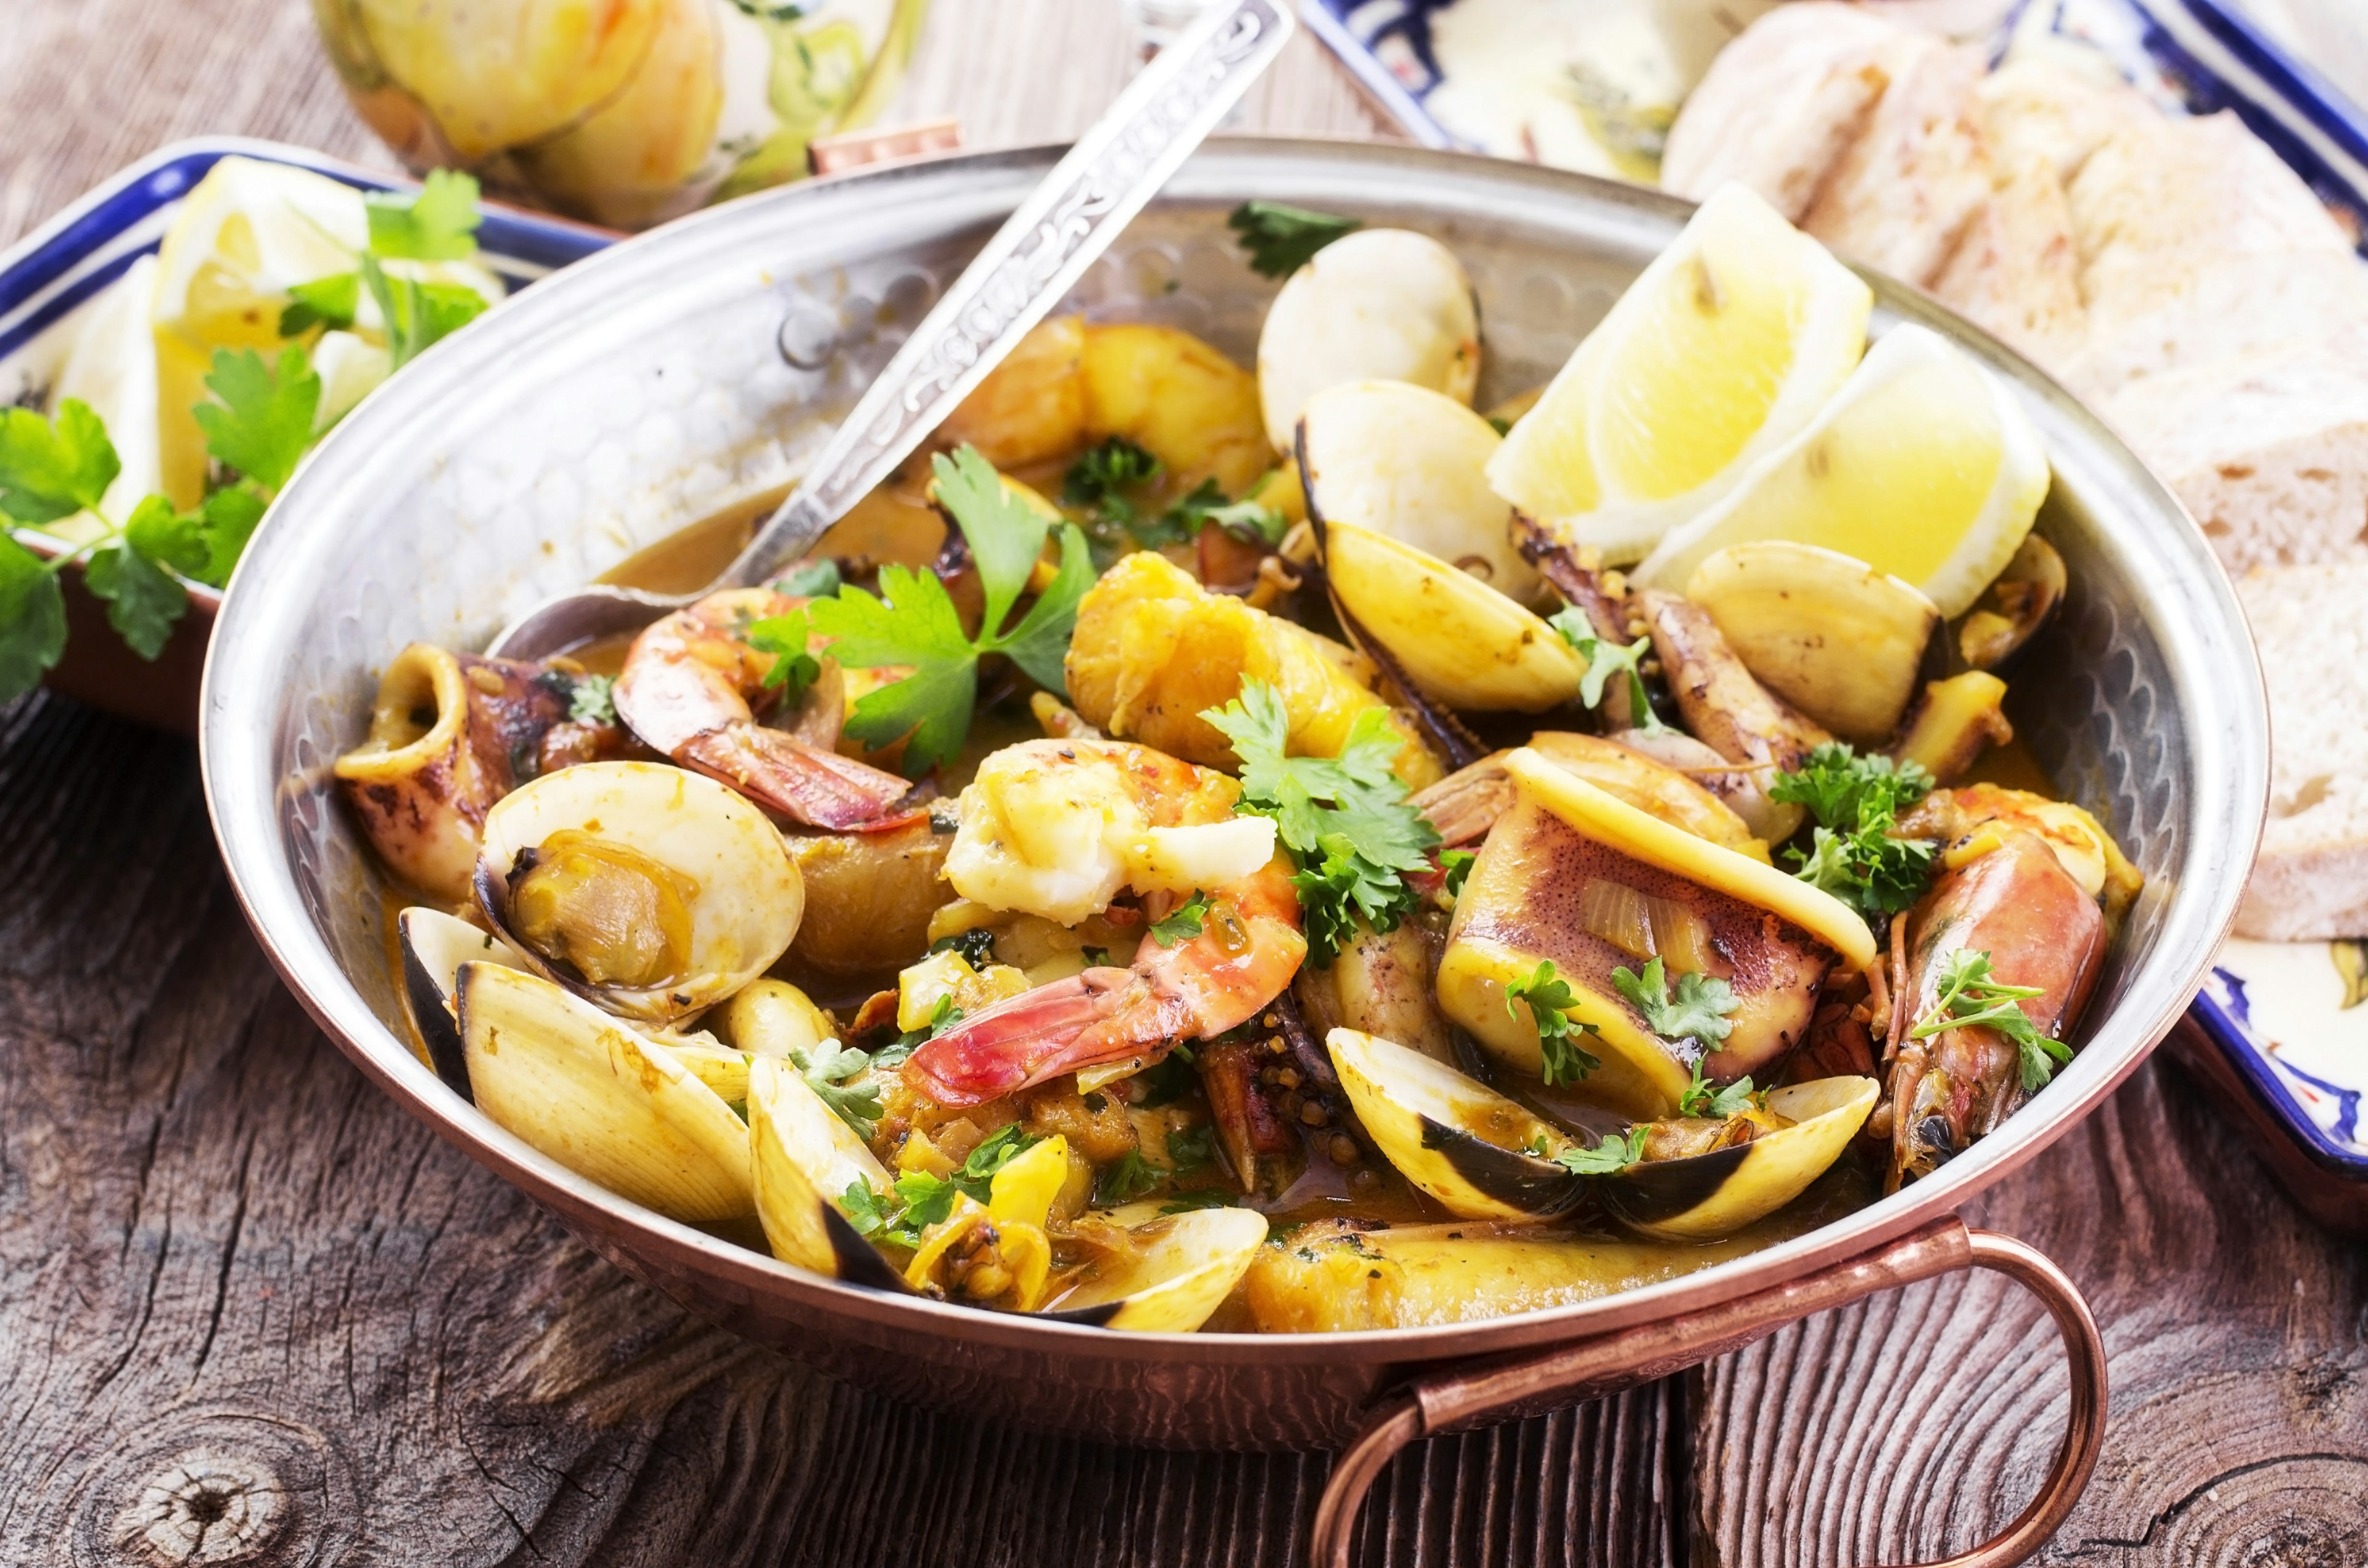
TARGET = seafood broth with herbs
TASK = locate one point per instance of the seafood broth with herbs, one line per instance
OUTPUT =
(1282, 849)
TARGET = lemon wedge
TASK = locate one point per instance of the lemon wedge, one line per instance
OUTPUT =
(112, 367)
(1721, 351)
(1923, 466)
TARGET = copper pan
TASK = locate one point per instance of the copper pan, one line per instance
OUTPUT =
(663, 379)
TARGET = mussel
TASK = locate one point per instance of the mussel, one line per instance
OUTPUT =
(1575, 876)
(1831, 635)
(648, 890)
(1411, 465)
(608, 1103)
(1484, 1156)
(1377, 306)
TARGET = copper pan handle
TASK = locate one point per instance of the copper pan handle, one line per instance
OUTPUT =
(1473, 1394)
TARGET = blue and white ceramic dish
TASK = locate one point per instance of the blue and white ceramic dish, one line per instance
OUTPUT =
(2291, 1019)
(52, 279)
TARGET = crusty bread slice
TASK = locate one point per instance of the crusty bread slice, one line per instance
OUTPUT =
(1778, 104)
(1906, 189)
(2232, 307)
(2311, 623)
(2059, 109)
(2016, 271)
(2269, 452)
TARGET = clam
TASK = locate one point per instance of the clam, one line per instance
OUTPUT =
(608, 1104)
(2013, 606)
(639, 886)
(434, 946)
(1703, 1197)
(1411, 465)
(1377, 306)
(1458, 639)
(996, 1253)
(1838, 640)
(1482, 1155)
(1485, 1157)
(802, 1158)
(1165, 1276)
(1575, 876)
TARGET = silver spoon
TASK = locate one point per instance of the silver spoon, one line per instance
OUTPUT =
(1030, 264)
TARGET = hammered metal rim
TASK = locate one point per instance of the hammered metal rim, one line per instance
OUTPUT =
(2178, 584)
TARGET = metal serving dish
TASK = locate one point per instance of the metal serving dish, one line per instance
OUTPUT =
(650, 385)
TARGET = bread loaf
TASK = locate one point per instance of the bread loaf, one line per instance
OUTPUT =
(2311, 882)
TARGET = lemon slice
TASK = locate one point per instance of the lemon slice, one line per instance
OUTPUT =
(112, 367)
(1923, 466)
(1721, 351)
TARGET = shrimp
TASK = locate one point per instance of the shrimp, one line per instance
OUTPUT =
(1249, 947)
(2019, 905)
(1057, 829)
(685, 689)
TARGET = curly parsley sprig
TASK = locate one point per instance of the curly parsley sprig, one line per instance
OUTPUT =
(1561, 1059)
(1970, 997)
(1698, 1012)
(1346, 821)
(1855, 801)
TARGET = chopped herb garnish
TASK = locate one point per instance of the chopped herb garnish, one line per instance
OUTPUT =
(1698, 1012)
(913, 621)
(1605, 659)
(785, 637)
(1702, 1097)
(1456, 864)
(1616, 1153)
(438, 224)
(594, 700)
(864, 1209)
(922, 1200)
(809, 580)
(828, 1072)
(1282, 239)
(976, 945)
(1970, 998)
(1854, 801)
(1345, 821)
(1124, 1180)
(1190, 1148)
(942, 1016)
(1198, 1197)
(1102, 475)
(1184, 923)
(1561, 1059)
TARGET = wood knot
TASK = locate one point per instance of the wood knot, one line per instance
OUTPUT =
(204, 1507)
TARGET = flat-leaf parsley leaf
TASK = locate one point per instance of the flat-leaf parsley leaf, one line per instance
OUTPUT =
(1698, 1012)
(1281, 239)
(1561, 1059)
(1971, 998)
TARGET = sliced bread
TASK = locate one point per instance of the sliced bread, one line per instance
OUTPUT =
(2269, 452)
(2311, 623)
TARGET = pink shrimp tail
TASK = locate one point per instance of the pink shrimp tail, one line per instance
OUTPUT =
(1036, 1035)
(806, 784)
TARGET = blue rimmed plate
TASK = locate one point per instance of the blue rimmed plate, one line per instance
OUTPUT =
(2289, 1022)
(47, 280)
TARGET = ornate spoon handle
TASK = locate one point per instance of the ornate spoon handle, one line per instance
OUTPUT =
(1030, 265)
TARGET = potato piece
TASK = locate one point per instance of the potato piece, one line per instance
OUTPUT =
(1958, 719)
(868, 897)
(1178, 398)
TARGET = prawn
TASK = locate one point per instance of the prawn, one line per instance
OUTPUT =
(1057, 828)
(686, 689)
(2018, 903)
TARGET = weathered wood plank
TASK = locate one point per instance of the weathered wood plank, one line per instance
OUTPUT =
(228, 1266)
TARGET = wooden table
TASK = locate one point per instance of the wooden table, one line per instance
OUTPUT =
(250, 1312)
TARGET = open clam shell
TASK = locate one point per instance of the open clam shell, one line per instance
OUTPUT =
(1452, 1136)
(1457, 637)
(801, 1156)
(1411, 465)
(1380, 305)
(1169, 1277)
(646, 888)
(434, 946)
(1707, 1195)
(605, 1102)
(1834, 637)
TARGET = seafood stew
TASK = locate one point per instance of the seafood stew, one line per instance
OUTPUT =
(1305, 854)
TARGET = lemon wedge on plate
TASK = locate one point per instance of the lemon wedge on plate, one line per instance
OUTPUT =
(112, 367)
(1923, 466)
(1721, 351)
